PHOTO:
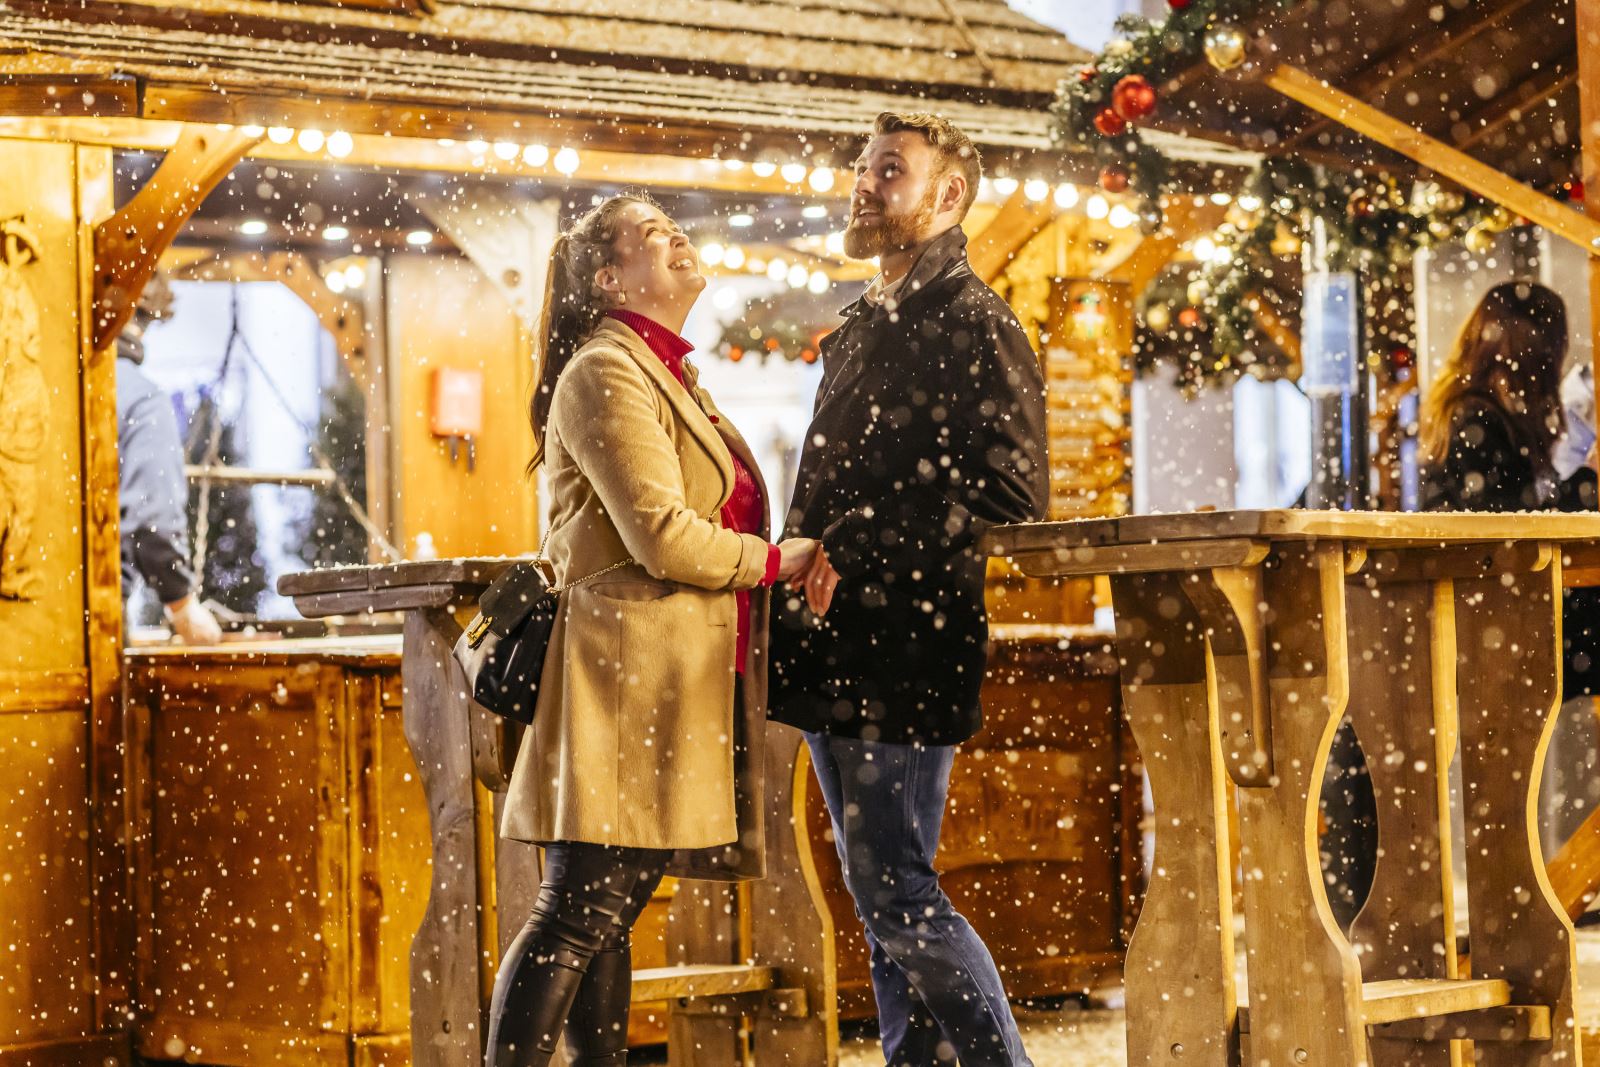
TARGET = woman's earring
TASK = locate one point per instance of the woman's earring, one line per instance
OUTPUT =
(622, 297)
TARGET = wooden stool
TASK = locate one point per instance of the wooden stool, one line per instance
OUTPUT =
(755, 977)
(1244, 638)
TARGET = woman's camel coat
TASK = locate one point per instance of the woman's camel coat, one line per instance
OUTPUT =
(635, 741)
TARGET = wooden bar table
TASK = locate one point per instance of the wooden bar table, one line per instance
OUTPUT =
(752, 975)
(1244, 638)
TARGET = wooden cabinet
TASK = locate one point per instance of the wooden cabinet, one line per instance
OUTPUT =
(281, 853)
(1041, 844)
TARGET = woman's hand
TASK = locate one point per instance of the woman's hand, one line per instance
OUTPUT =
(819, 580)
(794, 556)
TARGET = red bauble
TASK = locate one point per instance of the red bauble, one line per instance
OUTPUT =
(1575, 191)
(1110, 123)
(1086, 74)
(1189, 318)
(1178, 5)
(1400, 357)
(1133, 97)
(1114, 178)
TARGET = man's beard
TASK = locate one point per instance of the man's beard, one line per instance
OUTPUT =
(892, 233)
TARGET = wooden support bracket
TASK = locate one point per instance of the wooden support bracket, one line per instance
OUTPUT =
(1442, 159)
(1018, 221)
(1454, 561)
(1514, 1022)
(128, 244)
(340, 316)
(1229, 601)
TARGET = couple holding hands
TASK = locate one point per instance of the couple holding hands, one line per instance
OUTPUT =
(864, 628)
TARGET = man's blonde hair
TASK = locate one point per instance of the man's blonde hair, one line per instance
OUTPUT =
(955, 150)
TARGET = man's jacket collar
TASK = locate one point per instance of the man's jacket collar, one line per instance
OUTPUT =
(947, 250)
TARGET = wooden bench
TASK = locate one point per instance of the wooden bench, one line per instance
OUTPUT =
(1245, 637)
(753, 974)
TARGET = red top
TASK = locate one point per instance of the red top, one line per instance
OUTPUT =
(745, 507)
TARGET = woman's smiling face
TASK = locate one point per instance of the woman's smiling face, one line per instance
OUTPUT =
(656, 266)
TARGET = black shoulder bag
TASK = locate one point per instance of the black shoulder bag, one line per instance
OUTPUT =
(502, 652)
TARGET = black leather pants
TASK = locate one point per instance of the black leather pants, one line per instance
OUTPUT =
(571, 966)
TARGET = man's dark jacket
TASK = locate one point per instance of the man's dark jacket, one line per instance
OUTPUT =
(929, 425)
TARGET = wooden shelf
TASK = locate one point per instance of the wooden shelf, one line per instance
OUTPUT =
(701, 980)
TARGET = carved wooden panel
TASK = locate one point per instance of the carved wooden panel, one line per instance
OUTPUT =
(41, 459)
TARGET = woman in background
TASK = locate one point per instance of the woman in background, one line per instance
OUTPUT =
(1489, 430)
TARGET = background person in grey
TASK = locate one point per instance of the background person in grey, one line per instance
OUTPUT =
(153, 492)
(929, 424)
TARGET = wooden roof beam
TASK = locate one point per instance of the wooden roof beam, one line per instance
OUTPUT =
(1018, 221)
(1410, 56)
(1435, 155)
(128, 244)
(1509, 108)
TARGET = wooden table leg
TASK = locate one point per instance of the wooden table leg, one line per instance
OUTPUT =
(1179, 970)
(1509, 680)
(1402, 702)
(790, 927)
(1305, 983)
(446, 1019)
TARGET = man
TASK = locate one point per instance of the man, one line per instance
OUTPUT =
(929, 425)
(154, 492)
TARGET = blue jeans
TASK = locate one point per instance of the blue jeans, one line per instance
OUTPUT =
(939, 994)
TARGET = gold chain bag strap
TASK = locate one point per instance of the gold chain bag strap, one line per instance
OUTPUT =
(502, 651)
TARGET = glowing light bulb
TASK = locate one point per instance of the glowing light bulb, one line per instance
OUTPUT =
(310, 140)
(567, 161)
(821, 179)
(1066, 195)
(340, 144)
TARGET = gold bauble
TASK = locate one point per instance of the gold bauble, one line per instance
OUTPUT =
(1158, 317)
(1479, 239)
(1284, 242)
(1225, 46)
(1198, 291)
(1498, 220)
(1441, 230)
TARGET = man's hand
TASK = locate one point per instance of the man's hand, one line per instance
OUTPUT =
(794, 556)
(192, 622)
(819, 581)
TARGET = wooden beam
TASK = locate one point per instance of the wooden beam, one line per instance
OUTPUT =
(1437, 156)
(1588, 35)
(1575, 870)
(1018, 221)
(430, 153)
(1536, 92)
(64, 95)
(1411, 55)
(1183, 220)
(128, 244)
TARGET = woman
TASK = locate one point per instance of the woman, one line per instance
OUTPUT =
(1489, 429)
(644, 757)
(1492, 418)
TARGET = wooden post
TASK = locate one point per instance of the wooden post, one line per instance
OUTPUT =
(1588, 16)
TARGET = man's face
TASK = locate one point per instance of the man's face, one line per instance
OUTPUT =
(896, 195)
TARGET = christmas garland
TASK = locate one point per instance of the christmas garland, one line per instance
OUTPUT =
(1368, 221)
(1098, 109)
(1211, 328)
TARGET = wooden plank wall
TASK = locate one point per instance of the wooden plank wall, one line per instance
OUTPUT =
(443, 312)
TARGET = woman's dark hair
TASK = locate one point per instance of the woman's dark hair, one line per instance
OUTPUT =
(573, 303)
(1509, 355)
